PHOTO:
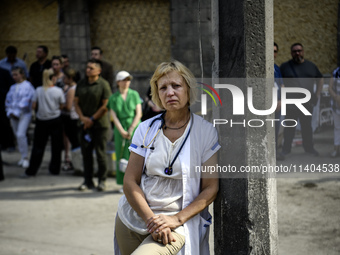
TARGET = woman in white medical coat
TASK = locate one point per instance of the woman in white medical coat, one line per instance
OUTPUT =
(164, 206)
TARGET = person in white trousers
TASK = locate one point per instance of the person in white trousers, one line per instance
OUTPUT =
(19, 111)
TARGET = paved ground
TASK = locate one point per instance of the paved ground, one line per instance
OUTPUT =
(309, 203)
(47, 215)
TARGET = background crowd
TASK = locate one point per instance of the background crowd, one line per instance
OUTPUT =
(77, 113)
(74, 112)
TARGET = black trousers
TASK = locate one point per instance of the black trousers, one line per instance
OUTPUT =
(43, 130)
(2, 177)
(98, 143)
(306, 129)
(71, 130)
(7, 138)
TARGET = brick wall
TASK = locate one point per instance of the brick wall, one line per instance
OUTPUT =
(27, 24)
(134, 35)
(314, 24)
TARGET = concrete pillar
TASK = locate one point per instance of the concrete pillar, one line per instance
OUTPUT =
(74, 29)
(245, 210)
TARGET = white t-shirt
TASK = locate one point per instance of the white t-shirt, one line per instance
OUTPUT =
(163, 192)
(48, 101)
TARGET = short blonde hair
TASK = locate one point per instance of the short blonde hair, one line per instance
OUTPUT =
(167, 67)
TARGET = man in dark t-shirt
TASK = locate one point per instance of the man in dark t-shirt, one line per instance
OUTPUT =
(91, 97)
(300, 73)
(39, 66)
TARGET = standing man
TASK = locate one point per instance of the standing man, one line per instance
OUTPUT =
(91, 97)
(304, 74)
(107, 69)
(39, 66)
(12, 61)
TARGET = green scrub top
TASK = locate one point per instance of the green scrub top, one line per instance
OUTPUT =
(125, 111)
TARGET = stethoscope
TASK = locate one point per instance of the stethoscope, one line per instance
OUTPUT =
(161, 118)
(167, 170)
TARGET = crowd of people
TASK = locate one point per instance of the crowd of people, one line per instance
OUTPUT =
(159, 212)
(21, 95)
(73, 113)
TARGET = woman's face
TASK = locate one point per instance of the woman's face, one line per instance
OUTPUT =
(124, 84)
(56, 66)
(173, 91)
(17, 77)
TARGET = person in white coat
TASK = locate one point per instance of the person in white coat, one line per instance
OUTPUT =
(164, 206)
(19, 111)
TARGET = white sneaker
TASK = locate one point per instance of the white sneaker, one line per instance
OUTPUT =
(25, 163)
(20, 162)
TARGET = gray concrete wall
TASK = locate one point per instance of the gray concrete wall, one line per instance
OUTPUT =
(191, 32)
(75, 32)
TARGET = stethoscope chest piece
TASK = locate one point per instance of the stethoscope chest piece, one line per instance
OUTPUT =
(168, 170)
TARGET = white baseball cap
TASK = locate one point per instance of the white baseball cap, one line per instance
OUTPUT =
(122, 75)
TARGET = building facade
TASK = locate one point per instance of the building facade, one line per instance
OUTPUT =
(138, 35)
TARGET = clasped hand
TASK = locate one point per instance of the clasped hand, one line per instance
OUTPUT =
(161, 226)
(88, 123)
(126, 135)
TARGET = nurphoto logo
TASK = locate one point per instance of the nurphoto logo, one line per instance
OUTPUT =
(204, 97)
(238, 103)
